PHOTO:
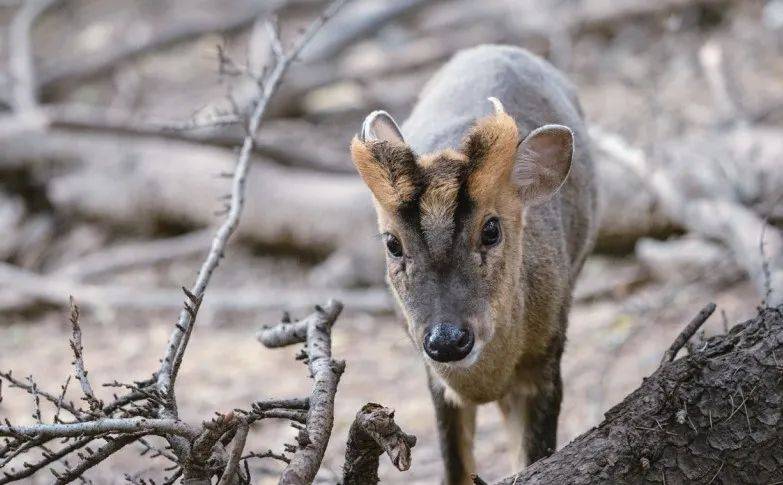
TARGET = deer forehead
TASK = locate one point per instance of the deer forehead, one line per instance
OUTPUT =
(443, 204)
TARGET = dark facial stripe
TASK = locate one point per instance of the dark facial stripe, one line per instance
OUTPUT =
(442, 202)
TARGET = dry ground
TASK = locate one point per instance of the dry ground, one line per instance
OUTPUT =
(614, 341)
(641, 80)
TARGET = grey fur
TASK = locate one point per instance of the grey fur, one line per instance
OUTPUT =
(449, 283)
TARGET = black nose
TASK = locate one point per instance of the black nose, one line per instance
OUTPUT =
(446, 342)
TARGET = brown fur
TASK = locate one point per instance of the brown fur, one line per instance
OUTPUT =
(492, 147)
(514, 295)
(387, 171)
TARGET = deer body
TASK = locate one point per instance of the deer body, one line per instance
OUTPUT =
(487, 219)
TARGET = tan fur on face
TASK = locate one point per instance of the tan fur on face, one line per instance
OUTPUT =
(439, 200)
(492, 147)
(483, 167)
(389, 176)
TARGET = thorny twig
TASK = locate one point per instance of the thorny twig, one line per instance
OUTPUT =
(57, 401)
(112, 446)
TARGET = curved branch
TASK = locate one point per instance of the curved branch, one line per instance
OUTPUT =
(373, 432)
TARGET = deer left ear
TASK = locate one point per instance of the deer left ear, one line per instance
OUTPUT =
(543, 162)
(380, 126)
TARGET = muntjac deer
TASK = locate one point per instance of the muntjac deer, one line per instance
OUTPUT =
(487, 211)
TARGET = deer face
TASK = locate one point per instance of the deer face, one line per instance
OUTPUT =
(451, 224)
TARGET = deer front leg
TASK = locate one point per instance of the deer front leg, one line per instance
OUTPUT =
(456, 428)
(530, 412)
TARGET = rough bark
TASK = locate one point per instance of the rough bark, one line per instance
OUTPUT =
(372, 433)
(711, 417)
(326, 372)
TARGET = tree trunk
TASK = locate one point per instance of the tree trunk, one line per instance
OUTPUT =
(711, 417)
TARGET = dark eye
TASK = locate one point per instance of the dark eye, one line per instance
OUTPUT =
(490, 233)
(393, 246)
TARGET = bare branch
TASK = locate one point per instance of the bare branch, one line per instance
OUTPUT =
(372, 433)
(168, 371)
(78, 360)
(36, 399)
(114, 445)
(99, 427)
(47, 460)
(688, 332)
(57, 401)
(232, 468)
(326, 375)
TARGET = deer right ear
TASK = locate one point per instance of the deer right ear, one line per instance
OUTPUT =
(379, 125)
(387, 165)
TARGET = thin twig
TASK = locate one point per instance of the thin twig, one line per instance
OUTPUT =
(267, 454)
(101, 454)
(688, 332)
(47, 460)
(57, 401)
(78, 360)
(232, 468)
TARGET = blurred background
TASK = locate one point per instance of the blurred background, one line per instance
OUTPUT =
(113, 176)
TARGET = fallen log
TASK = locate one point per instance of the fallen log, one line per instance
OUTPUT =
(711, 417)
(330, 213)
(19, 287)
(702, 185)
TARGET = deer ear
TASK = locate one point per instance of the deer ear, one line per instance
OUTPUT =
(543, 162)
(387, 165)
(491, 147)
(379, 125)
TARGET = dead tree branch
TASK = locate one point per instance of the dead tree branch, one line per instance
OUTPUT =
(122, 257)
(98, 427)
(50, 289)
(372, 433)
(78, 360)
(150, 406)
(178, 340)
(186, 28)
(326, 374)
(714, 214)
(688, 332)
